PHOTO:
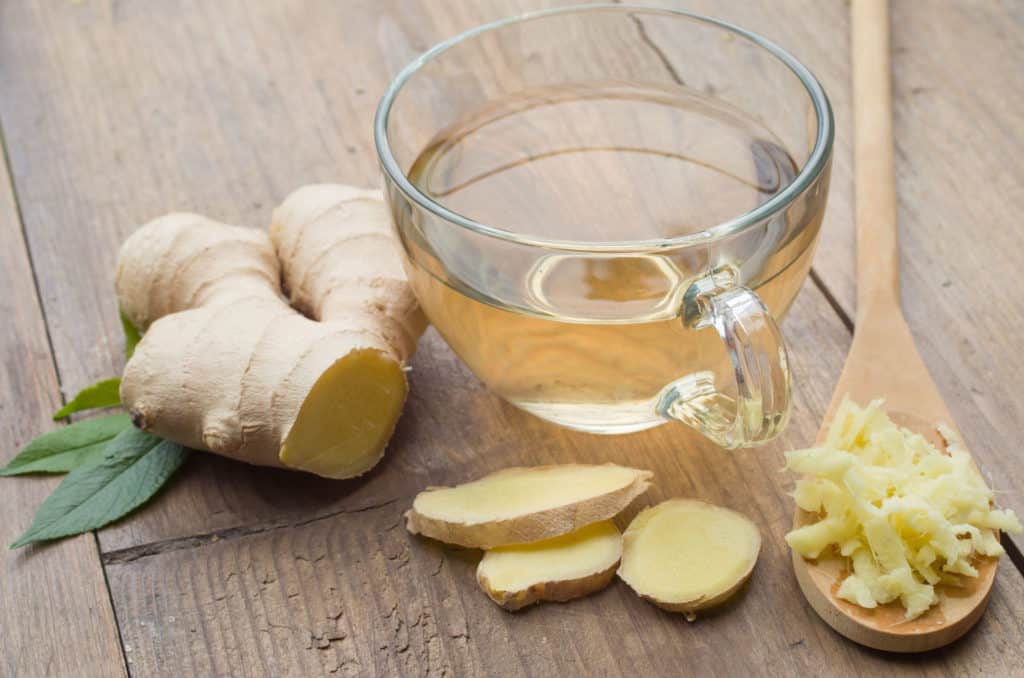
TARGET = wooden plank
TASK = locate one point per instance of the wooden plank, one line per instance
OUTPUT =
(355, 594)
(389, 605)
(960, 167)
(55, 611)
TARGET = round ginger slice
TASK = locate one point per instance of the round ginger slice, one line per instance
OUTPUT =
(525, 504)
(559, 569)
(684, 555)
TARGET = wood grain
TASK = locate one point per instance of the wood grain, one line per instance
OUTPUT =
(390, 604)
(55, 612)
(878, 247)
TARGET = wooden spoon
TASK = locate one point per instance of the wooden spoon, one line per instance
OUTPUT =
(883, 360)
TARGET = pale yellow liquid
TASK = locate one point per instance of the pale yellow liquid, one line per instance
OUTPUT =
(591, 341)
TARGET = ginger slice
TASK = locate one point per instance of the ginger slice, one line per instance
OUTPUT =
(684, 555)
(521, 505)
(559, 569)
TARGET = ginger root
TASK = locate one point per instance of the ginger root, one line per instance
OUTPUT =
(226, 365)
(521, 505)
(559, 569)
(684, 555)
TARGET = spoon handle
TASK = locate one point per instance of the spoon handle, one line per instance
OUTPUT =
(878, 258)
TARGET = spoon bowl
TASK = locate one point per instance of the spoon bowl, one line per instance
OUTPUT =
(884, 362)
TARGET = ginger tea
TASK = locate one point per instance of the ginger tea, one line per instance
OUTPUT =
(585, 338)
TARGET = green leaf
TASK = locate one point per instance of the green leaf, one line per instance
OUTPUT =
(131, 335)
(135, 466)
(68, 447)
(104, 393)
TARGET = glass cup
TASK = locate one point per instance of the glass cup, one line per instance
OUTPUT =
(612, 317)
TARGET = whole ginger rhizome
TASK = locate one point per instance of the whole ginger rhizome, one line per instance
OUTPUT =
(314, 381)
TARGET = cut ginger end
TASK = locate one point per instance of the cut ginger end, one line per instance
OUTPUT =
(685, 555)
(348, 416)
(558, 569)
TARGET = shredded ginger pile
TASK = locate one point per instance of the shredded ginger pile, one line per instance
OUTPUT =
(908, 516)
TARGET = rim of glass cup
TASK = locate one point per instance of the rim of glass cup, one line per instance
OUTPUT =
(808, 172)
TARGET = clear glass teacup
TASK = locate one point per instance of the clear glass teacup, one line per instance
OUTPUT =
(605, 210)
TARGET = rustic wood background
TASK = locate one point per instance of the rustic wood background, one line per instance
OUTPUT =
(115, 112)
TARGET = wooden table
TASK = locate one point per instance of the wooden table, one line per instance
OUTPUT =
(116, 112)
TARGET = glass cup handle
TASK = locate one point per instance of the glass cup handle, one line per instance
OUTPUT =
(757, 351)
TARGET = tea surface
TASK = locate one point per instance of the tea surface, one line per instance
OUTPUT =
(604, 161)
(586, 340)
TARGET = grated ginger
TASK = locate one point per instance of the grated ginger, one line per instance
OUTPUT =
(908, 516)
